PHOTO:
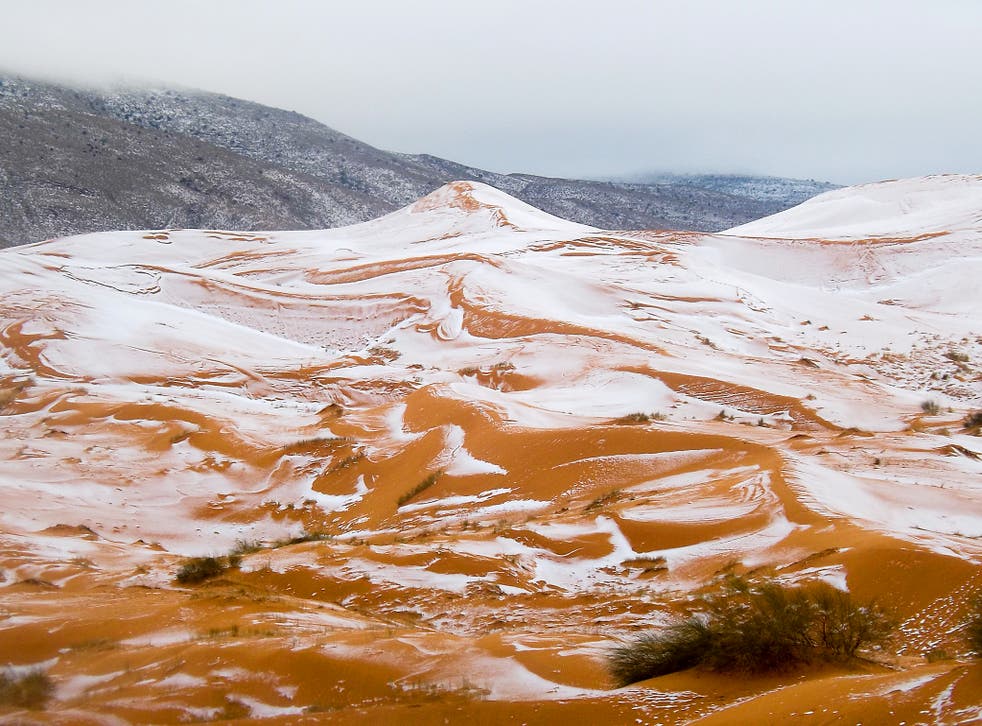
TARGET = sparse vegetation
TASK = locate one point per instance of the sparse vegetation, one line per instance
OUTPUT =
(95, 644)
(474, 370)
(973, 629)
(648, 564)
(604, 499)
(316, 442)
(973, 420)
(957, 356)
(931, 408)
(229, 631)
(677, 648)
(199, 569)
(384, 353)
(31, 689)
(640, 418)
(304, 536)
(418, 489)
(767, 628)
(245, 547)
(233, 709)
(347, 461)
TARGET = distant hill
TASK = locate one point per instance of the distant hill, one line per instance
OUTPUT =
(775, 189)
(80, 160)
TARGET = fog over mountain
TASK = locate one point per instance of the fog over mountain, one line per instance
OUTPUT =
(77, 161)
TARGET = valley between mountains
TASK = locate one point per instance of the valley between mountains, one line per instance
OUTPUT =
(461, 451)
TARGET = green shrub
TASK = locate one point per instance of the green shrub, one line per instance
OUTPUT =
(27, 690)
(679, 647)
(758, 630)
(768, 628)
(842, 627)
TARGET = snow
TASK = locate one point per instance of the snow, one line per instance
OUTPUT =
(451, 503)
(458, 461)
(905, 508)
(162, 376)
(410, 577)
(181, 394)
(259, 709)
(900, 208)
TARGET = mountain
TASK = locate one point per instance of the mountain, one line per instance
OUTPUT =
(778, 191)
(78, 161)
(447, 459)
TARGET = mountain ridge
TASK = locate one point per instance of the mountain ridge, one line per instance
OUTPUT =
(80, 160)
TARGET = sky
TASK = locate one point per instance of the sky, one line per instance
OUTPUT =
(839, 90)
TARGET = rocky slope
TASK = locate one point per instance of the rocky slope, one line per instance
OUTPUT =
(462, 450)
(778, 190)
(77, 161)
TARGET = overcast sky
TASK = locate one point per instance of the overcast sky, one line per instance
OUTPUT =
(843, 90)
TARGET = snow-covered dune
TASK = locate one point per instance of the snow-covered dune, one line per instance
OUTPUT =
(463, 446)
(901, 208)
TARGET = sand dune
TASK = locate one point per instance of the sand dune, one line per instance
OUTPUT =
(466, 448)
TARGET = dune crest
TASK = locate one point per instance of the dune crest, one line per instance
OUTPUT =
(455, 453)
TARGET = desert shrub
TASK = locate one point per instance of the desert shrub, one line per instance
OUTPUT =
(767, 628)
(418, 489)
(604, 499)
(758, 630)
(679, 647)
(316, 536)
(931, 408)
(973, 629)
(647, 563)
(199, 569)
(842, 627)
(304, 536)
(245, 547)
(26, 690)
(973, 420)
